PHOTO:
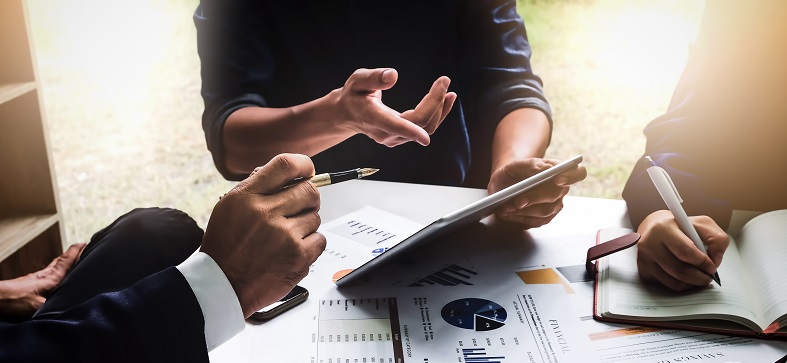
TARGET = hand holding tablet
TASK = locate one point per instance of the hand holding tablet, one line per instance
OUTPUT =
(537, 206)
(469, 214)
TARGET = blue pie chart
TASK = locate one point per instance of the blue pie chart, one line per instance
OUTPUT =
(474, 314)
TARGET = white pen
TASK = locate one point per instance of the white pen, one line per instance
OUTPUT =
(670, 195)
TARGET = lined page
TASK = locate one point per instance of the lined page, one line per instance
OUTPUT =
(628, 295)
(763, 247)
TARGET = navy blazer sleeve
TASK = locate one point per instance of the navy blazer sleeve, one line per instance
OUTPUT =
(156, 320)
(674, 142)
(723, 134)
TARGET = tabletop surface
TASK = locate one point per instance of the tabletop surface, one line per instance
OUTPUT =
(501, 254)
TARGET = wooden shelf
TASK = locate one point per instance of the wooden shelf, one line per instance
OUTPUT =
(16, 232)
(31, 234)
(11, 91)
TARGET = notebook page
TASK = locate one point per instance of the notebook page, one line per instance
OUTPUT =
(628, 295)
(763, 247)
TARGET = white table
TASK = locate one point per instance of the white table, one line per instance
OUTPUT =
(567, 237)
(423, 204)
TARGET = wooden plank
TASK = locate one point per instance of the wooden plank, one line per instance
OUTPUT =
(34, 256)
(11, 91)
(15, 232)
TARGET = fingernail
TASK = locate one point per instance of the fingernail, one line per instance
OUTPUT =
(388, 76)
(524, 204)
(561, 180)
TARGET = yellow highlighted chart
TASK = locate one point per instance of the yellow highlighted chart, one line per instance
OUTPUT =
(609, 334)
(544, 276)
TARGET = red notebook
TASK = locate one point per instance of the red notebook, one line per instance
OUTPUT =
(752, 300)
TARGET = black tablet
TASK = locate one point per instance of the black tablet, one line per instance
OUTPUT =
(469, 214)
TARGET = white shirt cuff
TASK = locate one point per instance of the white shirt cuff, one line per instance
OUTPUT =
(220, 306)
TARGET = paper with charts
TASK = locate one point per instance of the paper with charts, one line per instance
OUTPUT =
(443, 325)
(480, 305)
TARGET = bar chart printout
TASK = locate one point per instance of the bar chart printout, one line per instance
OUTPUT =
(359, 330)
(373, 228)
(478, 355)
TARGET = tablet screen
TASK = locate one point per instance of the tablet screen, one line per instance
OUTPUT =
(469, 214)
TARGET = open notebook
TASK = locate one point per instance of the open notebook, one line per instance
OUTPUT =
(752, 300)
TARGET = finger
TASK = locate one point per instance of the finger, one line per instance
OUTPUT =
(438, 117)
(304, 224)
(541, 210)
(527, 221)
(298, 199)
(674, 264)
(314, 244)
(431, 103)
(369, 80)
(448, 104)
(716, 240)
(568, 177)
(543, 195)
(519, 170)
(391, 124)
(63, 263)
(684, 250)
(273, 176)
(395, 141)
(652, 273)
(429, 126)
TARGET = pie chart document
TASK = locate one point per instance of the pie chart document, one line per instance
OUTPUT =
(474, 314)
(445, 324)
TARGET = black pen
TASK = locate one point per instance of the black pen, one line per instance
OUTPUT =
(321, 180)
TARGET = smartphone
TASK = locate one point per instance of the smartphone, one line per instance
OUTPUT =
(295, 297)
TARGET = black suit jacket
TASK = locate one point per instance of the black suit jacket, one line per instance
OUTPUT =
(157, 319)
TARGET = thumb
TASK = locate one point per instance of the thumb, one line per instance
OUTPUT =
(522, 169)
(65, 261)
(716, 240)
(370, 80)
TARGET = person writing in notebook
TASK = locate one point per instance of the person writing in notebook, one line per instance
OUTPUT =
(345, 82)
(723, 141)
(138, 292)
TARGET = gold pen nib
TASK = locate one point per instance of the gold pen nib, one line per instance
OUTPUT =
(364, 172)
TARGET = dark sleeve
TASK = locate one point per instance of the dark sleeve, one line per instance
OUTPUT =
(235, 62)
(156, 320)
(500, 78)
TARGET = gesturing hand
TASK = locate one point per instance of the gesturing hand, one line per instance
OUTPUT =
(22, 296)
(539, 205)
(665, 255)
(264, 237)
(362, 111)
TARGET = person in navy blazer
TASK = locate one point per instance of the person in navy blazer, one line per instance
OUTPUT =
(138, 292)
(722, 141)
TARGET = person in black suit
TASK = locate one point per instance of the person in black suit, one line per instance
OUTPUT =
(138, 293)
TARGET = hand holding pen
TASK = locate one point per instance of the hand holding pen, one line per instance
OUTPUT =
(678, 251)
